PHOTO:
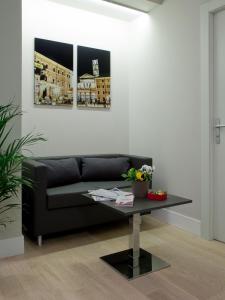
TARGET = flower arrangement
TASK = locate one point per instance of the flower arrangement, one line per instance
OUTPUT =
(139, 175)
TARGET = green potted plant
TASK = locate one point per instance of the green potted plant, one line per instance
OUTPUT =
(11, 158)
(141, 179)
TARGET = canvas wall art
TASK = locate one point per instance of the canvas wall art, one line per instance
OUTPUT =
(53, 73)
(94, 79)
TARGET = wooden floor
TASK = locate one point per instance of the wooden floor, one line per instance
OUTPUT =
(68, 267)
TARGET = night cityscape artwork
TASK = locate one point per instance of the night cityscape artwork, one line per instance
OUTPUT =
(93, 78)
(53, 73)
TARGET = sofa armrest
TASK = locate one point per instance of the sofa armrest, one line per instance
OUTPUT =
(138, 161)
(37, 172)
(34, 199)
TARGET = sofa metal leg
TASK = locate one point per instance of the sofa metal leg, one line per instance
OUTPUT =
(39, 240)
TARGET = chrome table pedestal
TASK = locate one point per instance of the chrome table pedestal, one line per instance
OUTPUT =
(135, 261)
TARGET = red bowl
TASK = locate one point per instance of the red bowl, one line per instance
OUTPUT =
(156, 197)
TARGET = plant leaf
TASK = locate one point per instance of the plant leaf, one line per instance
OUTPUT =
(11, 158)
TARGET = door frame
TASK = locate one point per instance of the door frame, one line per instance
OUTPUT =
(207, 192)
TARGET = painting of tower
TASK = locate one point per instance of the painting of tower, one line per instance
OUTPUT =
(94, 78)
(95, 67)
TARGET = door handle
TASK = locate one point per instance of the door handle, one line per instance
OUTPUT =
(217, 127)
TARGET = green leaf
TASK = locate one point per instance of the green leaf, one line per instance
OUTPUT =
(11, 158)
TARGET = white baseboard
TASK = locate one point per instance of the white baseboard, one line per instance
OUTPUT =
(184, 222)
(12, 246)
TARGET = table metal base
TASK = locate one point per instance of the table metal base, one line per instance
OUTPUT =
(123, 262)
(135, 261)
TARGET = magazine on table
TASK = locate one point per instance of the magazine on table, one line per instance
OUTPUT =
(122, 198)
(125, 201)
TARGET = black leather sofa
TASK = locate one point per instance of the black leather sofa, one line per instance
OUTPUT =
(56, 203)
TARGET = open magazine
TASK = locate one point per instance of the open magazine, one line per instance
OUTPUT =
(126, 201)
(121, 198)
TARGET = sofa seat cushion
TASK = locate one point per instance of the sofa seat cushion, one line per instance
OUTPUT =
(71, 195)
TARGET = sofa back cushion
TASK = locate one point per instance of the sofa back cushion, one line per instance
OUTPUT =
(95, 168)
(61, 171)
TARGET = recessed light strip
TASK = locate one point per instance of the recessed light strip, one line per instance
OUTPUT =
(139, 5)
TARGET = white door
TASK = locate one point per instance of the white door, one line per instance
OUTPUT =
(219, 132)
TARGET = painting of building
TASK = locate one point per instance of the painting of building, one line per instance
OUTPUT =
(53, 71)
(94, 80)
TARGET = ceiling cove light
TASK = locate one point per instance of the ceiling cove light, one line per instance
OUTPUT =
(140, 5)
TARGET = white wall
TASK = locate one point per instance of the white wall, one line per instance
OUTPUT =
(160, 86)
(11, 240)
(165, 97)
(69, 130)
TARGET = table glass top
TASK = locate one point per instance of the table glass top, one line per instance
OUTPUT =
(144, 205)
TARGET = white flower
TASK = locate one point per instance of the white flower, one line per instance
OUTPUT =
(147, 169)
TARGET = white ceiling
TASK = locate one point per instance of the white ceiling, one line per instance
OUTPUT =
(104, 8)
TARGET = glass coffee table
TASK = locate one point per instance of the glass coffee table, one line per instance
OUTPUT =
(136, 261)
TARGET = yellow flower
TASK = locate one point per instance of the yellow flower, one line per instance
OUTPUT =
(139, 176)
